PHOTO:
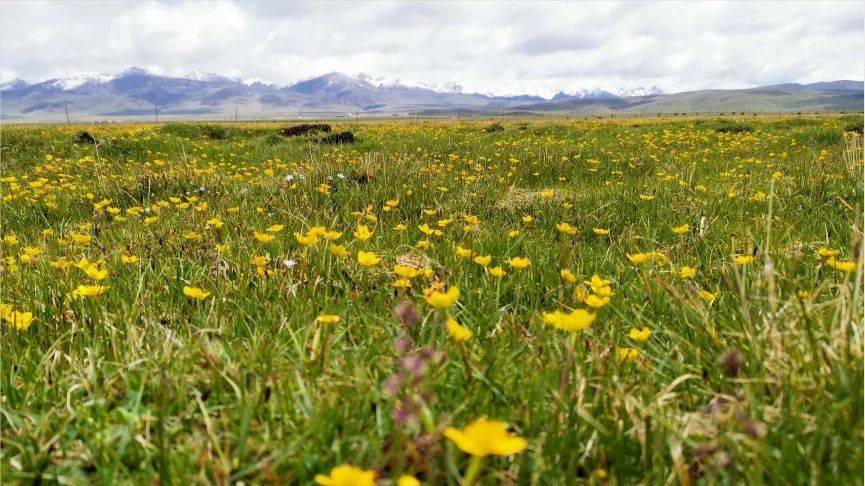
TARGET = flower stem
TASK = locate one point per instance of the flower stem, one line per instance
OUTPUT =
(474, 470)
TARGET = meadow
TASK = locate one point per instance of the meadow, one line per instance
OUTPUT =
(655, 301)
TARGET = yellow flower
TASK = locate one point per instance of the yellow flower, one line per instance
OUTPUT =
(214, 223)
(827, 253)
(567, 276)
(6, 310)
(405, 271)
(61, 264)
(192, 235)
(513, 233)
(80, 238)
(129, 259)
(96, 273)
(222, 248)
(601, 231)
(498, 272)
(195, 293)
(33, 251)
(346, 475)
(263, 238)
(306, 240)
(367, 258)
(640, 335)
(687, 272)
(338, 251)
(362, 232)
(10, 240)
(575, 320)
(400, 228)
(566, 228)
(519, 262)
(317, 231)
(276, 228)
(627, 354)
(596, 301)
(652, 256)
(406, 480)
(19, 320)
(457, 332)
(258, 260)
(528, 218)
(401, 283)
(596, 282)
(89, 291)
(842, 266)
(647, 197)
(327, 319)
(680, 230)
(463, 252)
(485, 437)
(706, 295)
(483, 260)
(332, 235)
(442, 300)
(743, 259)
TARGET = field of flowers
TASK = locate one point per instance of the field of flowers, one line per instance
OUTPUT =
(527, 302)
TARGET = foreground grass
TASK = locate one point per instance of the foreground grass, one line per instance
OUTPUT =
(752, 371)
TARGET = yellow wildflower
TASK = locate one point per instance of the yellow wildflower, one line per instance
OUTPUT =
(485, 437)
(442, 300)
(263, 238)
(575, 320)
(367, 258)
(195, 293)
(346, 476)
(457, 332)
(327, 319)
(519, 262)
(640, 335)
(483, 260)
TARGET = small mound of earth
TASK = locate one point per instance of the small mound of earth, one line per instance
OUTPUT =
(338, 138)
(85, 137)
(305, 128)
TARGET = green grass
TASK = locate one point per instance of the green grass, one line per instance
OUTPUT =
(144, 383)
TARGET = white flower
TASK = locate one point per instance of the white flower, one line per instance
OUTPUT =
(288, 262)
(288, 178)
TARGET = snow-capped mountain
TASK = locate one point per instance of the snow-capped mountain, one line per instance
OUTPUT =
(583, 94)
(137, 92)
(71, 82)
(638, 91)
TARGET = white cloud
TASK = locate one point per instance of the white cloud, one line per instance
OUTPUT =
(505, 47)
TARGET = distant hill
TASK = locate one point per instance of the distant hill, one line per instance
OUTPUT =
(136, 93)
(841, 95)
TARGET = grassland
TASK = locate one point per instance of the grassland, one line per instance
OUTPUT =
(179, 307)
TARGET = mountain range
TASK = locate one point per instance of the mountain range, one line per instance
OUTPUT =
(138, 94)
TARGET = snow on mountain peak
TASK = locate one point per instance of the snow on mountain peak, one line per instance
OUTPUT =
(638, 91)
(197, 75)
(71, 82)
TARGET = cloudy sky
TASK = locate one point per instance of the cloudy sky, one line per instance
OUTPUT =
(500, 48)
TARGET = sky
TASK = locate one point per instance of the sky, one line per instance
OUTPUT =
(497, 48)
